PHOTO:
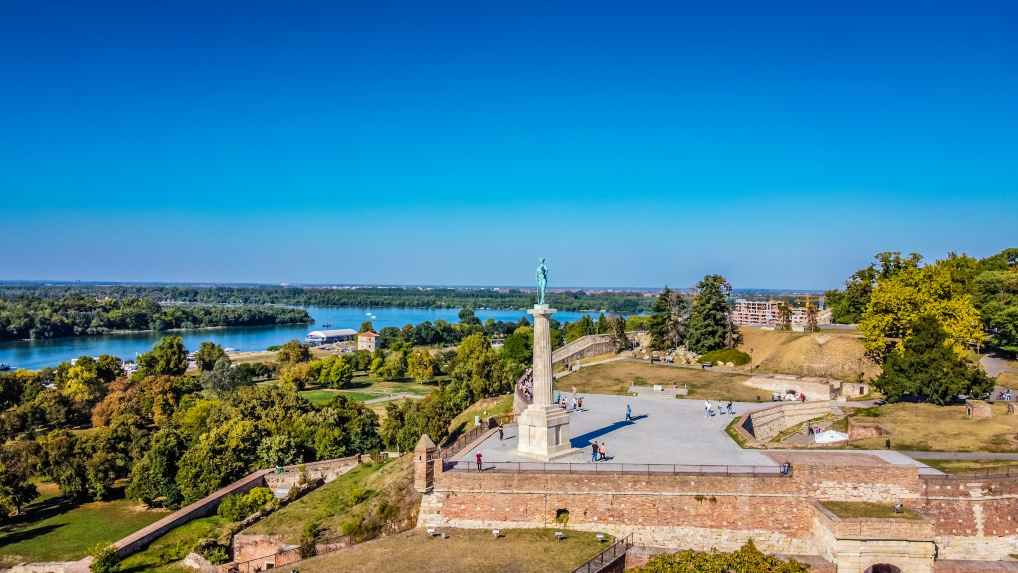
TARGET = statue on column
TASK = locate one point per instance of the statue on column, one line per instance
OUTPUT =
(542, 280)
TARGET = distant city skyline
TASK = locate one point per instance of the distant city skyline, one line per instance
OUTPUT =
(779, 144)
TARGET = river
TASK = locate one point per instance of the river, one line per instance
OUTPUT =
(42, 353)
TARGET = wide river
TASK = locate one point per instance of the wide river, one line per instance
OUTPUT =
(42, 353)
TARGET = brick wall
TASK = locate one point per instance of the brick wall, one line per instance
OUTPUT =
(703, 511)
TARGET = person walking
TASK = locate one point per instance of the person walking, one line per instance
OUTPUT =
(501, 432)
(593, 452)
(629, 413)
(731, 409)
(604, 452)
(706, 409)
(478, 461)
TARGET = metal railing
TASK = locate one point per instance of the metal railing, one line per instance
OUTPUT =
(471, 466)
(471, 435)
(607, 557)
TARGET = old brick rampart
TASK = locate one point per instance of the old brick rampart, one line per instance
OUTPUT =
(704, 511)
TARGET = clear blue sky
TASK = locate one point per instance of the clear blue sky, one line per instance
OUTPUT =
(633, 144)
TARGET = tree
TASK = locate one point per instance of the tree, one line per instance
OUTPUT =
(224, 377)
(221, 455)
(208, 354)
(420, 366)
(336, 372)
(167, 357)
(466, 316)
(16, 487)
(897, 303)
(996, 295)
(667, 320)
(293, 352)
(82, 383)
(784, 316)
(519, 345)
(811, 316)
(848, 306)
(710, 325)
(617, 328)
(104, 559)
(299, 375)
(602, 324)
(153, 477)
(367, 326)
(394, 366)
(926, 368)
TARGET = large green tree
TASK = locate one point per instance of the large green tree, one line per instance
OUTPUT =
(293, 352)
(167, 357)
(926, 368)
(667, 320)
(153, 477)
(710, 325)
(208, 354)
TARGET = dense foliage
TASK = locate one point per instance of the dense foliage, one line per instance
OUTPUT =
(439, 297)
(747, 559)
(975, 300)
(928, 370)
(238, 506)
(667, 320)
(476, 371)
(36, 314)
(173, 437)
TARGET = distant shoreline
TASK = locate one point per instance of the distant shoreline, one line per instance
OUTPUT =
(151, 331)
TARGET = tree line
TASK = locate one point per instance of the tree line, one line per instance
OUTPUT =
(78, 314)
(408, 297)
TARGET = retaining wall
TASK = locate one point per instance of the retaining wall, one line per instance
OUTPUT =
(767, 423)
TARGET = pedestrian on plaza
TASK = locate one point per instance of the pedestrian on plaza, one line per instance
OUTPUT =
(501, 432)
(603, 451)
(593, 452)
(802, 397)
(731, 409)
(478, 461)
(579, 403)
(706, 409)
(629, 413)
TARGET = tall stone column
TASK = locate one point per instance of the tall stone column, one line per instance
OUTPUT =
(543, 427)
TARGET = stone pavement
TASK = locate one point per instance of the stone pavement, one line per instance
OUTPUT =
(666, 430)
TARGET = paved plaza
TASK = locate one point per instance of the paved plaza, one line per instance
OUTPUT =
(664, 430)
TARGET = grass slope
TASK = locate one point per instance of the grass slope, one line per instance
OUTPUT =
(616, 377)
(465, 551)
(925, 427)
(961, 466)
(833, 354)
(163, 553)
(55, 530)
(365, 496)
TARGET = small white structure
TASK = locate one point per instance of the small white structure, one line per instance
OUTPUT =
(318, 337)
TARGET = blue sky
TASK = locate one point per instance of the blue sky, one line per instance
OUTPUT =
(633, 144)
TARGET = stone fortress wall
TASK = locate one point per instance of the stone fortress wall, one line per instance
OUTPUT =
(963, 518)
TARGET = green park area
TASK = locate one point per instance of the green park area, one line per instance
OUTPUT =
(164, 553)
(54, 529)
(463, 551)
(616, 378)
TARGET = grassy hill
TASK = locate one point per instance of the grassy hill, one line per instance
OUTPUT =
(356, 503)
(832, 354)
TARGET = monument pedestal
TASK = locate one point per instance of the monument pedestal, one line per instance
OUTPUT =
(543, 432)
(543, 426)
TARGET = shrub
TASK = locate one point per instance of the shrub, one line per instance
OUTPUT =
(732, 355)
(104, 559)
(308, 538)
(238, 506)
(747, 558)
(212, 551)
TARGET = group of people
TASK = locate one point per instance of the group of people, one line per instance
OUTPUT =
(598, 452)
(572, 402)
(1007, 395)
(709, 408)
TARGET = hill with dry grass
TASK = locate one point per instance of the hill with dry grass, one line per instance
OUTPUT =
(830, 354)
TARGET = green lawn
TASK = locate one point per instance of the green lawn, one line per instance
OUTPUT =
(163, 553)
(54, 530)
(364, 388)
(961, 466)
(850, 509)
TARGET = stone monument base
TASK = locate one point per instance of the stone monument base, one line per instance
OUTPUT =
(543, 432)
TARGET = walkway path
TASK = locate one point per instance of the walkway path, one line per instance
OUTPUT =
(961, 455)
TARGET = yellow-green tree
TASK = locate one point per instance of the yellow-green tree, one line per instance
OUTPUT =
(898, 301)
(420, 366)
